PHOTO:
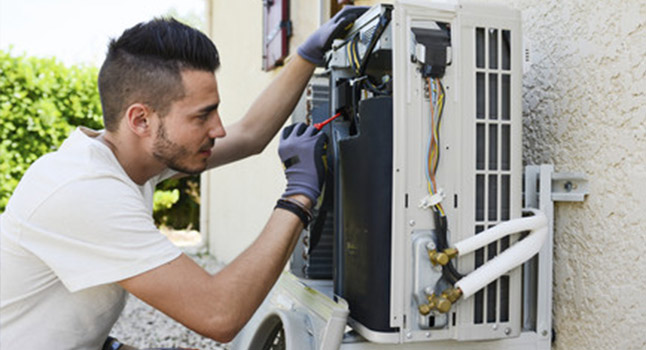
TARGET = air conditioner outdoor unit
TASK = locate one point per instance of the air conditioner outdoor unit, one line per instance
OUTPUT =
(427, 157)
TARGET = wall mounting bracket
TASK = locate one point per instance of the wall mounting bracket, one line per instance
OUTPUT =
(569, 187)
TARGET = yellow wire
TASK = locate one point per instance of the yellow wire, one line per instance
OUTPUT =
(434, 146)
(355, 55)
(349, 51)
(440, 209)
(436, 129)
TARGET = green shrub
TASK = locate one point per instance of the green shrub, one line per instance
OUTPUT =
(185, 213)
(41, 102)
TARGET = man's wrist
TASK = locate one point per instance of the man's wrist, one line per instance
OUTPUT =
(303, 199)
(298, 205)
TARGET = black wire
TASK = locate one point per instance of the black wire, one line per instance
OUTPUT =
(449, 273)
(381, 26)
(353, 51)
(380, 89)
(359, 66)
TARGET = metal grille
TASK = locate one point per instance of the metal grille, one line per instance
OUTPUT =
(315, 263)
(493, 150)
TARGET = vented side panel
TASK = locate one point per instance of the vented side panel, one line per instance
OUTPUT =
(492, 166)
(308, 261)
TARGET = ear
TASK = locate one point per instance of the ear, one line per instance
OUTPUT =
(138, 118)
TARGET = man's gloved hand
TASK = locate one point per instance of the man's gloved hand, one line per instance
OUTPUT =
(320, 41)
(301, 150)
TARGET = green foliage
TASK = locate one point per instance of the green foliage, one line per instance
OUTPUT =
(41, 101)
(165, 199)
(185, 214)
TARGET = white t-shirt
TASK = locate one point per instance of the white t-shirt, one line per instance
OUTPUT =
(75, 225)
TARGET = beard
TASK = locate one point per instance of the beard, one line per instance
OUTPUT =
(175, 156)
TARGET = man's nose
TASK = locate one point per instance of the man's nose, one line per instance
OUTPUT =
(216, 129)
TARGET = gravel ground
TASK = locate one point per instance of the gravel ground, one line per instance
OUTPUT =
(142, 326)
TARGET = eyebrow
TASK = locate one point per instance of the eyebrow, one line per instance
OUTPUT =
(208, 108)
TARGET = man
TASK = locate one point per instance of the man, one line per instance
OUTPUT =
(77, 234)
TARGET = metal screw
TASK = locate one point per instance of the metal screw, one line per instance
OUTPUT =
(409, 335)
(544, 333)
(507, 331)
(411, 223)
(494, 327)
(430, 245)
(568, 186)
(427, 334)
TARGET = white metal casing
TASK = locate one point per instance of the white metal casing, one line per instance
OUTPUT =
(457, 171)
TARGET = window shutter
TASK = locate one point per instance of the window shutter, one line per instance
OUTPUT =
(277, 28)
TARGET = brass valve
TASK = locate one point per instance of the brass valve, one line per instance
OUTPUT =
(436, 257)
(432, 301)
(440, 303)
(443, 305)
(424, 309)
(442, 258)
(452, 294)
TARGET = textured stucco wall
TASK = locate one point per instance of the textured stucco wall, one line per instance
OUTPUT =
(585, 110)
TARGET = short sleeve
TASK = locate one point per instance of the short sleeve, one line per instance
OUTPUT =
(95, 231)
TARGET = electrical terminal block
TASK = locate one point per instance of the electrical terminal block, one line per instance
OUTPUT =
(432, 200)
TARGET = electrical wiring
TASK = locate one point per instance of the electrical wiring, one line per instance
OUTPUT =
(384, 20)
(353, 54)
(436, 96)
(359, 64)
(381, 89)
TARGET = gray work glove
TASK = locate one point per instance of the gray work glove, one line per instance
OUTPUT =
(301, 150)
(320, 41)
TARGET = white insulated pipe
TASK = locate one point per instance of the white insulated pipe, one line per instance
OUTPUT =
(501, 230)
(517, 254)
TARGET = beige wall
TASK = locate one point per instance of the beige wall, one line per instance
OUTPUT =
(238, 198)
(584, 109)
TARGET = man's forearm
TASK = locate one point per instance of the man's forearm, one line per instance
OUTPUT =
(266, 115)
(219, 305)
(270, 110)
(253, 273)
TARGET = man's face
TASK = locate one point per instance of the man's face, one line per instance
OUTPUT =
(186, 134)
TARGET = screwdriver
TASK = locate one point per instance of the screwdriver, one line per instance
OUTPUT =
(320, 125)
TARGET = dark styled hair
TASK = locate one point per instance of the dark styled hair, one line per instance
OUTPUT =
(145, 64)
